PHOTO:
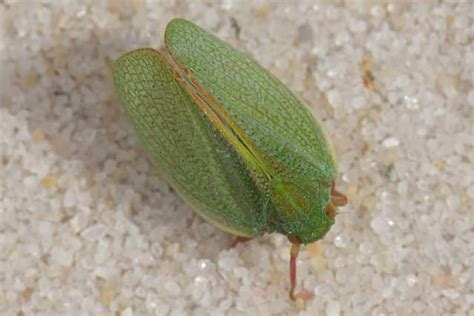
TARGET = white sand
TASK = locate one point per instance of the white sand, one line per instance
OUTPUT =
(88, 228)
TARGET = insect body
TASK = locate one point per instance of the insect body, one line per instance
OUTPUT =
(230, 138)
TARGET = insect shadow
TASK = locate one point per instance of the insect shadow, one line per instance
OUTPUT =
(75, 108)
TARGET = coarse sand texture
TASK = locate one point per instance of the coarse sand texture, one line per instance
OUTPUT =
(88, 226)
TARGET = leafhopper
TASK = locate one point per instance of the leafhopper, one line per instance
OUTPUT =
(237, 145)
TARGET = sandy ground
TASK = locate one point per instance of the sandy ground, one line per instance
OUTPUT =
(87, 227)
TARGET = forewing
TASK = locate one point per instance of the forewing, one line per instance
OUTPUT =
(266, 110)
(189, 151)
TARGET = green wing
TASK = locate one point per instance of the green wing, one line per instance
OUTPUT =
(196, 160)
(280, 125)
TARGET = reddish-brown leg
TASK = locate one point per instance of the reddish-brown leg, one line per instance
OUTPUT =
(239, 240)
(295, 249)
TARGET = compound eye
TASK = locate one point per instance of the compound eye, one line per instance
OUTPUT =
(331, 211)
(337, 198)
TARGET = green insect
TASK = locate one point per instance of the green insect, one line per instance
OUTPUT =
(230, 138)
